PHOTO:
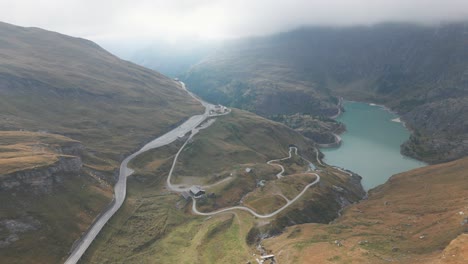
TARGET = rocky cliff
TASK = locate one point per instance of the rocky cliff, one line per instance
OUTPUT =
(41, 180)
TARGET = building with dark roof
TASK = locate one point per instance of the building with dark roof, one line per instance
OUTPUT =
(196, 191)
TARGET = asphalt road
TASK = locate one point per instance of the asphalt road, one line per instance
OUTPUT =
(120, 188)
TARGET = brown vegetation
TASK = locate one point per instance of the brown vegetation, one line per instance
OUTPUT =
(409, 219)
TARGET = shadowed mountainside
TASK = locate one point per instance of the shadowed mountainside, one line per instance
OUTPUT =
(418, 71)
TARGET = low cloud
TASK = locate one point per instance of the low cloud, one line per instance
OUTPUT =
(106, 20)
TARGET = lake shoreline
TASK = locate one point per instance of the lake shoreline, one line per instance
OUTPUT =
(375, 136)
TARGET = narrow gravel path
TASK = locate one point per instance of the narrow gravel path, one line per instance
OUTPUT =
(243, 208)
(270, 162)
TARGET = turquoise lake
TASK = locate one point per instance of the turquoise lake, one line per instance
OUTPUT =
(371, 145)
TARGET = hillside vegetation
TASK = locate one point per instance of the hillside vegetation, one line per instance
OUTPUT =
(419, 71)
(69, 112)
(71, 86)
(48, 197)
(419, 216)
(239, 138)
(157, 225)
(20, 150)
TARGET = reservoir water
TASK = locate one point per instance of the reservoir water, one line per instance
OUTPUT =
(371, 145)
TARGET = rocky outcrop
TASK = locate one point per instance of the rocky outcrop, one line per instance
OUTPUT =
(13, 228)
(41, 180)
(73, 148)
(322, 130)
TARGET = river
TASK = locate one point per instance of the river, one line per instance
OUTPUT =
(371, 145)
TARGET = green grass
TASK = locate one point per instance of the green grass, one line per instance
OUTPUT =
(63, 214)
(238, 138)
(71, 87)
(82, 91)
(20, 150)
(153, 226)
(292, 186)
(265, 204)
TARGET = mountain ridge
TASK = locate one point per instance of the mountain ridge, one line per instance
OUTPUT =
(408, 68)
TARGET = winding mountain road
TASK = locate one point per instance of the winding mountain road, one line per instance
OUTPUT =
(120, 188)
(270, 162)
(243, 208)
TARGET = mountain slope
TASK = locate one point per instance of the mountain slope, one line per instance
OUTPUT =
(156, 225)
(69, 112)
(412, 218)
(53, 82)
(418, 71)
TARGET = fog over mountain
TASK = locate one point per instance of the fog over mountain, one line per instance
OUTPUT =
(169, 36)
(216, 19)
(221, 131)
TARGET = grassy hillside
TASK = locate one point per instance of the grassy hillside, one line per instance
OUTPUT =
(246, 79)
(411, 218)
(46, 204)
(20, 150)
(418, 71)
(69, 112)
(239, 138)
(156, 225)
(71, 86)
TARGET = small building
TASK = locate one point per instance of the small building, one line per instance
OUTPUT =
(196, 191)
(248, 170)
(185, 195)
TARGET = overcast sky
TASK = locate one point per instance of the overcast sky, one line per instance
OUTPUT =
(104, 20)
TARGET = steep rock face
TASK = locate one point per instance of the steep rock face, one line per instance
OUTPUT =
(41, 180)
